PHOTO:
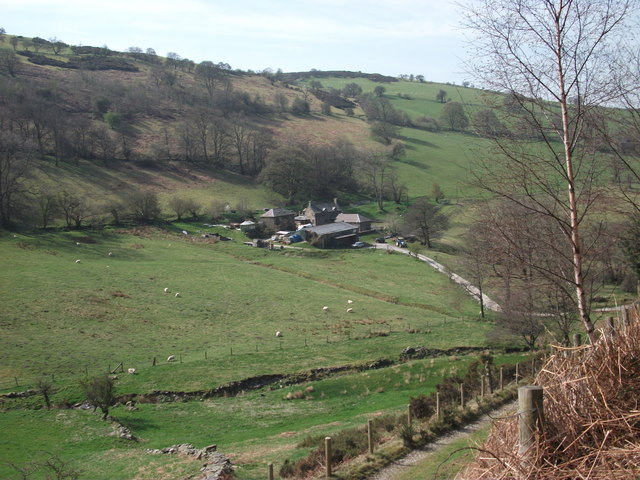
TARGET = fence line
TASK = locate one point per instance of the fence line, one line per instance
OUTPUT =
(89, 368)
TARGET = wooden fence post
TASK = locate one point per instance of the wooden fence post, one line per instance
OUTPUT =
(517, 371)
(370, 434)
(625, 316)
(501, 378)
(611, 326)
(533, 367)
(577, 339)
(327, 455)
(531, 421)
(270, 471)
(462, 396)
(481, 385)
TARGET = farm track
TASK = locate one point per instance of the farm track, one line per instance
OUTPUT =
(397, 468)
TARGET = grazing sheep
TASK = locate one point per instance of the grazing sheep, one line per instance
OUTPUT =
(78, 261)
(278, 334)
(325, 308)
(78, 244)
(110, 254)
(177, 294)
(171, 358)
(131, 371)
(349, 310)
(349, 302)
(166, 290)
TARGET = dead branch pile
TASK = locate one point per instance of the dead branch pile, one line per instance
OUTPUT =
(592, 416)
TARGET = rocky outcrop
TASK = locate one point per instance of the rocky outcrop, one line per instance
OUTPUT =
(413, 353)
(215, 465)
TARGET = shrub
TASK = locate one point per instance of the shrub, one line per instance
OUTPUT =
(113, 119)
(422, 406)
(144, 206)
(300, 107)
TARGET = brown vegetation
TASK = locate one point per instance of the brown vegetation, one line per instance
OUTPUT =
(592, 428)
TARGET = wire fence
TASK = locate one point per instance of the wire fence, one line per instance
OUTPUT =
(301, 346)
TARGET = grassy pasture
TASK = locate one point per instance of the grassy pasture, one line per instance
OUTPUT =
(60, 316)
(254, 428)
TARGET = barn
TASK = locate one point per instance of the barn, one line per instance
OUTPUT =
(332, 235)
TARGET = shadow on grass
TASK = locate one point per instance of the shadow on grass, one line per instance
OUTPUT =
(415, 163)
(417, 141)
(137, 425)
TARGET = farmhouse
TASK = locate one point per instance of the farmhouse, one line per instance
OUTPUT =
(362, 223)
(278, 219)
(332, 235)
(322, 213)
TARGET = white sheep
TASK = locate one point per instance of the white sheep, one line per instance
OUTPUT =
(325, 308)
(177, 294)
(349, 302)
(131, 371)
(78, 261)
(166, 290)
(78, 244)
(278, 334)
(110, 254)
(171, 358)
(349, 310)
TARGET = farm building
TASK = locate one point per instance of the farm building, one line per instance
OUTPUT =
(247, 226)
(278, 219)
(362, 223)
(322, 213)
(332, 235)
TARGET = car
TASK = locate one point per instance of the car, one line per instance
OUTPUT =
(358, 245)
(401, 243)
(380, 240)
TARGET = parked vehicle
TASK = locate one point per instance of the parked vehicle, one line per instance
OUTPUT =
(358, 245)
(380, 240)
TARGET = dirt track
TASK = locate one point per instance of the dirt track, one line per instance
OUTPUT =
(393, 471)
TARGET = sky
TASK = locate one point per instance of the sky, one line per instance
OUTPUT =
(390, 37)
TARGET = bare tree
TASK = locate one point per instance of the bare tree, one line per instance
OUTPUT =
(425, 220)
(9, 62)
(100, 392)
(74, 208)
(16, 157)
(544, 53)
(45, 387)
(286, 172)
(211, 76)
(374, 169)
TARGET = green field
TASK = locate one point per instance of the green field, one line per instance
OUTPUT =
(108, 309)
(62, 318)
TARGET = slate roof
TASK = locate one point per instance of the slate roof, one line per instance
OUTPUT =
(337, 227)
(352, 218)
(277, 212)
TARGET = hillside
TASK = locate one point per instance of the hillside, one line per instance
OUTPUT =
(124, 177)
(100, 123)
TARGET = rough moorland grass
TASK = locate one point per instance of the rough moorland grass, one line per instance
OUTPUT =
(62, 316)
